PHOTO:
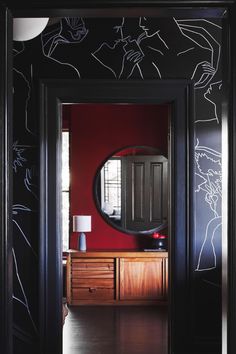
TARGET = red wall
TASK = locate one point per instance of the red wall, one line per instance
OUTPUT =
(97, 130)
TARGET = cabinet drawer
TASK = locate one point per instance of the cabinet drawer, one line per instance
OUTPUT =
(92, 264)
(92, 283)
(96, 274)
(93, 293)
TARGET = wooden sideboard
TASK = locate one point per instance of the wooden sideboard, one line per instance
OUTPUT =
(117, 277)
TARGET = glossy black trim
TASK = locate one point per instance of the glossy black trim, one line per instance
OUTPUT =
(95, 8)
(54, 93)
(5, 182)
(164, 9)
(231, 83)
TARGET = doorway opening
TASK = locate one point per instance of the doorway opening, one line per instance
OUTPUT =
(118, 159)
(177, 94)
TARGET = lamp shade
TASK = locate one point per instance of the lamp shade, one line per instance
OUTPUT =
(25, 29)
(81, 223)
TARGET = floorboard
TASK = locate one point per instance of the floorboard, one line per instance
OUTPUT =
(115, 330)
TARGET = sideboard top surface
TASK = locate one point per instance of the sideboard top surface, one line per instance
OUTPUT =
(117, 253)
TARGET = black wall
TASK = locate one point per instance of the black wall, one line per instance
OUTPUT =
(119, 49)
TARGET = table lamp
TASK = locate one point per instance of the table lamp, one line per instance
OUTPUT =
(82, 223)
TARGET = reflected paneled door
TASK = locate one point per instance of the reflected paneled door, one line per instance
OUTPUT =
(145, 199)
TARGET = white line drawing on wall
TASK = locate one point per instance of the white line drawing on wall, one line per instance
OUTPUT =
(18, 211)
(28, 181)
(197, 33)
(197, 47)
(18, 156)
(208, 243)
(25, 94)
(23, 300)
(154, 48)
(30, 63)
(213, 94)
(201, 20)
(70, 30)
(208, 164)
(60, 62)
(17, 208)
(121, 55)
(132, 57)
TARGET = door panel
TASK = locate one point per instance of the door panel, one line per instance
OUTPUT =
(146, 191)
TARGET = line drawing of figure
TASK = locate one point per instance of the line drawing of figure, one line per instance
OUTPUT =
(70, 30)
(23, 299)
(19, 164)
(195, 32)
(19, 290)
(212, 103)
(21, 211)
(17, 208)
(208, 162)
(213, 95)
(30, 63)
(21, 98)
(25, 86)
(121, 55)
(201, 51)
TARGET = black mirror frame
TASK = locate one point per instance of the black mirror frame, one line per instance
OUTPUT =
(98, 206)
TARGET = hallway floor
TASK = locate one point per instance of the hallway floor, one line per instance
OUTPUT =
(115, 330)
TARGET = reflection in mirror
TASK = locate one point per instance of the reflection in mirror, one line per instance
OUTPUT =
(131, 190)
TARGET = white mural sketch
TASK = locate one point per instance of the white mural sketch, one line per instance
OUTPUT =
(28, 65)
(213, 95)
(124, 50)
(23, 299)
(17, 209)
(197, 47)
(18, 156)
(143, 49)
(70, 30)
(25, 101)
(151, 50)
(202, 38)
(29, 182)
(209, 176)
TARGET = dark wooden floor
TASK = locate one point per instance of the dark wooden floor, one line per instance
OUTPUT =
(115, 330)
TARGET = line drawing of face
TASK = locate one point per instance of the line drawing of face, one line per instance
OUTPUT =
(213, 95)
(113, 27)
(73, 30)
(131, 29)
(213, 91)
(148, 25)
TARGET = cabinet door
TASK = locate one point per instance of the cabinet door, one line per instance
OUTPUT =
(141, 279)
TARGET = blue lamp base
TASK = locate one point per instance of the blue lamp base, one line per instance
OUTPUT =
(82, 242)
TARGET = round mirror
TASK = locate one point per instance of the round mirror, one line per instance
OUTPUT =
(130, 190)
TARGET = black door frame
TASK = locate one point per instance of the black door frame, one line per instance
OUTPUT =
(179, 94)
(6, 282)
(94, 8)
